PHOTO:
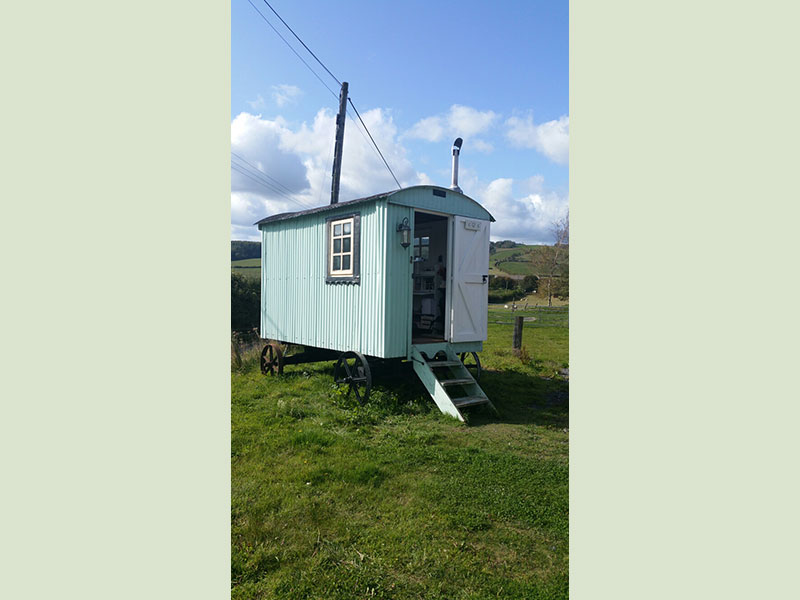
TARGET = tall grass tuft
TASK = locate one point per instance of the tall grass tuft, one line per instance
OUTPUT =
(246, 349)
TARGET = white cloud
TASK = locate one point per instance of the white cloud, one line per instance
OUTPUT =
(258, 103)
(430, 129)
(479, 145)
(293, 164)
(521, 214)
(550, 138)
(466, 121)
(284, 94)
(299, 157)
(458, 121)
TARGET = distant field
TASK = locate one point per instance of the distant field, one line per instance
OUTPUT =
(528, 260)
(249, 267)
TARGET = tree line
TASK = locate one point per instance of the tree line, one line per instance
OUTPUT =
(241, 250)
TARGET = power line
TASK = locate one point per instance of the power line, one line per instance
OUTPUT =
(293, 50)
(262, 181)
(265, 184)
(319, 78)
(376, 145)
(275, 181)
(302, 42)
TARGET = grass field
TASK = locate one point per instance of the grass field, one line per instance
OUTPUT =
(249, 267)
(529, 260)
(392, 499)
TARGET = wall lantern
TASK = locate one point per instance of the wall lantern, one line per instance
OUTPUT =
(405, 233)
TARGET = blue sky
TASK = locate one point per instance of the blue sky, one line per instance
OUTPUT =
(420, 74)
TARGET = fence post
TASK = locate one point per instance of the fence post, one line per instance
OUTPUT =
(517, 333)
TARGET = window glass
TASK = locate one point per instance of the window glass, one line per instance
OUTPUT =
(426, 240)
(340, 249)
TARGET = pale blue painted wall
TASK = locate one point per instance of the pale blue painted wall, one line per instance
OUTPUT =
(299, 307)
(374, 317)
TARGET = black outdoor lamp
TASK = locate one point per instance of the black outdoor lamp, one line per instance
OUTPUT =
(405, 233)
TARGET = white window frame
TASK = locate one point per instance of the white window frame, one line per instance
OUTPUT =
(351, 253)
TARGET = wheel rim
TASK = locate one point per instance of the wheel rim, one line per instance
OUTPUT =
(473, 363)
(353, 370)
(271, 360)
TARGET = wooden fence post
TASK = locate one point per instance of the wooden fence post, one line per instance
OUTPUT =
(517, 344)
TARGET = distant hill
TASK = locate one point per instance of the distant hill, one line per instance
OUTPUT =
(241, 250)
(507, 258)
(521, 259)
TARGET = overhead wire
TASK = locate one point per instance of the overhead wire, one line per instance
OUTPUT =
(335, 95)
(264, 173)
(302, 42)
(264, 183)
(374, 143)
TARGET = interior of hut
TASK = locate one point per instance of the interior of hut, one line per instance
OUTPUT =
(430, 277)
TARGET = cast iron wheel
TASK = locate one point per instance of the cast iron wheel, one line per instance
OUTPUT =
(352, 369)
(272, 359)
(473, 363)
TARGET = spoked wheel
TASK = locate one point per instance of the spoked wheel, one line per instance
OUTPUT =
(472, 362)
(352, 369)
(272, 359)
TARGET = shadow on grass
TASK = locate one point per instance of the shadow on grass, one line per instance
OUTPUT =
(523, 398)
(520, 398)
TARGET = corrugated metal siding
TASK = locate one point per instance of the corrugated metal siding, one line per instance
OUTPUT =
(398, 284)
(298, 307)
(453, 203)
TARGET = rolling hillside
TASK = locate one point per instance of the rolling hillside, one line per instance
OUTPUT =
(248, 267)
(523, 260)
(516, 262)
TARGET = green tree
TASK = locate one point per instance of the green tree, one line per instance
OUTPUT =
(245, 303)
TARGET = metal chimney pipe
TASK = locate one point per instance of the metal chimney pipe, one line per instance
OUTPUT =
(456, 152)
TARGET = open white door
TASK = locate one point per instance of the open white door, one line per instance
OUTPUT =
(470, 280)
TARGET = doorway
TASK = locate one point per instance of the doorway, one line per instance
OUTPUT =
(429, 318)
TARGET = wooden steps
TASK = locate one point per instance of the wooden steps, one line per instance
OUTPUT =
(445, 378)
(463, 381)
(470, 401)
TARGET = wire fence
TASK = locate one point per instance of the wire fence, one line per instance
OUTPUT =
(540, 316)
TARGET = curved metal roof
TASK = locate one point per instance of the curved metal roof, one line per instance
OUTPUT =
(374, 198)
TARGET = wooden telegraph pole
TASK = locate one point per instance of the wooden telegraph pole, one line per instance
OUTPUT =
(337, 150)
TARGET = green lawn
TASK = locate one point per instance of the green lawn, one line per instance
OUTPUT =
(393, 499)
(249, 267)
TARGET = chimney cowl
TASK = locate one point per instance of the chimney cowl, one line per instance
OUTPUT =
(456, 152)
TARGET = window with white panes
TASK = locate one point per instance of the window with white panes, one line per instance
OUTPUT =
(341, 250)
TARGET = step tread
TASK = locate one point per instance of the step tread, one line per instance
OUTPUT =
(456, 381)
(444, 363)
(470, 401)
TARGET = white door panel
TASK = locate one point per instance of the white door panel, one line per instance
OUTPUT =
(470, 286)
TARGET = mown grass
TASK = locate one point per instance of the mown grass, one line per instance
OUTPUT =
(249, 267)
(392, 499)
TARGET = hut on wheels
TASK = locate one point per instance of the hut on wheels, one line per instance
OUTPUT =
(401, 275)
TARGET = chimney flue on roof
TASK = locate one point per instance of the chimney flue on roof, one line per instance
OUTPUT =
(456, 152)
